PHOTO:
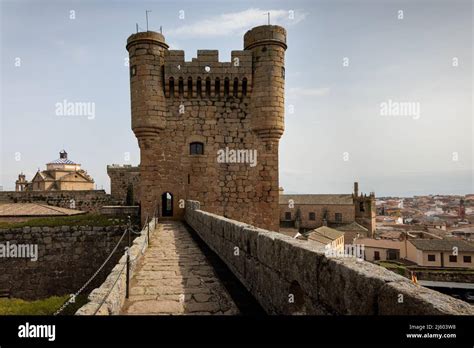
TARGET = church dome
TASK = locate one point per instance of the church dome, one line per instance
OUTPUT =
(62, 159)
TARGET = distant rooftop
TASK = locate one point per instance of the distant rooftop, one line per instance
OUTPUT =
(34, 209)
(441, 245)
(324, 235)
(62, 159)
(342, 199)
(353, 226)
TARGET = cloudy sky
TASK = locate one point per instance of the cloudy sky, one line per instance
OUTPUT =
(376, 91)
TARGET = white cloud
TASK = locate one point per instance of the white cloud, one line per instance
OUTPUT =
(235, 23)
(295, 92)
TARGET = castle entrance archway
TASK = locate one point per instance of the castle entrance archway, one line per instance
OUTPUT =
(167, 204)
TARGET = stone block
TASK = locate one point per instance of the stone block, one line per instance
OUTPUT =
(268, 251)
(351, 287)
(406, 298)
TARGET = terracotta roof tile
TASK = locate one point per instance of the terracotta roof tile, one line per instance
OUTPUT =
(343, 199)
(35, 209)
(441, 245)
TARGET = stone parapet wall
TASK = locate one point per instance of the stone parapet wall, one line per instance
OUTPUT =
(289, 276)
(121, 179)
(87, 200)
(114, 286)
(119, 210)
(67, 257)
(220, 74)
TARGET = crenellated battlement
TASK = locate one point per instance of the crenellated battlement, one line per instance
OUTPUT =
(205, 76)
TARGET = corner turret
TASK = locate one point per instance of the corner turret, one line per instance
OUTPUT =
(268, 45)
(147, 52)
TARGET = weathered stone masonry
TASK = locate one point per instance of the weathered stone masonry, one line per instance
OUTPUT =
(273, 266)
(113, 289)
(237, 104)
(88, 200)
(67, 257)
(122, 179)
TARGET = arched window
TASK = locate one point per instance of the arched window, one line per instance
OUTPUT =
(190, 87)
(236, 87)
(244, 86)
(196, 148)
(171, 87)
(199, 87)
(208, 87)
(217, 87)
(181, 87)
(226, 87)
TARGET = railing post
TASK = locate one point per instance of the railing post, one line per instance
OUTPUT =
(148, 231)
(127, 251)
(129, 227)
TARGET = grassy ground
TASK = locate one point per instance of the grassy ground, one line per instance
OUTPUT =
(46, 306)
(77, 220)
(394, 267)
(400, 268)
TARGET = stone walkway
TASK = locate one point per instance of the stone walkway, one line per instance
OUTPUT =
(174, 277)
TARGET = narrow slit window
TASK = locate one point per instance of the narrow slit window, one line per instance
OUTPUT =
(181, 87)
(199, 87)
(244, 86)
(190, 87)
(208, 87)
(217, 87)
(236, 87)
(226, 87)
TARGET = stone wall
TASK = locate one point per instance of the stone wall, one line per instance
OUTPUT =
(89, 200)
(121, 178)
(113, 289)
(67, 257)
(289, 276)
(120, 210)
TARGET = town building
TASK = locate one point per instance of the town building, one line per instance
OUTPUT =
(441, 253)
(352, 231)
(382, 249)
(60, 175)
(306, 212)
(466, 233)
(328, 238)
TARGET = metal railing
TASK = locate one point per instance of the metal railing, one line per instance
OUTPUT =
(129, 262)
(128, 231)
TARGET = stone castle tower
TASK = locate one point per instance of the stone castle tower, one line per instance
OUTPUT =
(184, 114)
(365, 209)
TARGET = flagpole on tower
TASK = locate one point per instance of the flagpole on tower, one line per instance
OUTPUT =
(146, 14)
